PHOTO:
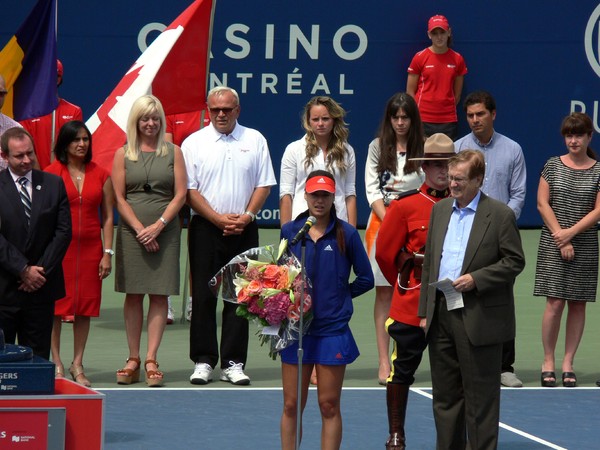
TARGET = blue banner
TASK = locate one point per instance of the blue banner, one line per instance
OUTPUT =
(539, 59)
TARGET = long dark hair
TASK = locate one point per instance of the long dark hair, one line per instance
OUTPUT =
(579, 123)
(387, 136)
(66, 135)
(339, 229)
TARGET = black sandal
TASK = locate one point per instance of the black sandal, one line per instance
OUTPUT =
(569, 383)
(548, 383)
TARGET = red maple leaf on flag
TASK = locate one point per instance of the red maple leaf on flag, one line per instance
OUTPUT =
(174, 68)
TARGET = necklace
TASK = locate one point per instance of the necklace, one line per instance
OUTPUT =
(77, 177)
(147, 187)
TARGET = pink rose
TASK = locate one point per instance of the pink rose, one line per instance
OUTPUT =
(271, 273)
(254, 287)
(293, 310)
(243, 296)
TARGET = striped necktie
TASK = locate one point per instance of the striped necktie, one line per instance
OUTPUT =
(25, 198)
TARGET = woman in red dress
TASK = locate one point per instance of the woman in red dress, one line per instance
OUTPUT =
(87, 261)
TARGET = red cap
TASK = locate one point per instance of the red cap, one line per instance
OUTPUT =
(59, 68)
(438, 21)
(320, 183)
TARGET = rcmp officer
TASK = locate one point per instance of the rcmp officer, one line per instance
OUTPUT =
(400, 248)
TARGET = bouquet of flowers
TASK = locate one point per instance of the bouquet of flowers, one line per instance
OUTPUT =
(267, 287)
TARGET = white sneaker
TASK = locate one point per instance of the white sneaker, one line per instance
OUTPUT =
(509, 379)
(188, 310)
(202, 374)
(235, 374)
(170, 312)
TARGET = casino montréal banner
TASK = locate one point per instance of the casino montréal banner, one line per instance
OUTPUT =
(539, 59)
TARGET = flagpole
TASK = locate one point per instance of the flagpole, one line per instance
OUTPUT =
(208, 53)
(187, 281)
(53, 122)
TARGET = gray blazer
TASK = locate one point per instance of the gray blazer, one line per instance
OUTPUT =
(494, 257)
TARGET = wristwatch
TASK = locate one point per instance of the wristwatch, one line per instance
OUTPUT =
(251, 214)
(110, 251)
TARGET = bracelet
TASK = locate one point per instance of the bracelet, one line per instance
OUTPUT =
(110, 251)
(251, 214)
(163, 220)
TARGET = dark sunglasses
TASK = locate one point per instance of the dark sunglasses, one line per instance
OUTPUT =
(221, 110)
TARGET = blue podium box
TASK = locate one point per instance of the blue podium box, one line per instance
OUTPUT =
(32, 376)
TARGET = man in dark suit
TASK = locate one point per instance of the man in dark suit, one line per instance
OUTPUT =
(474, 242)
(35, 231)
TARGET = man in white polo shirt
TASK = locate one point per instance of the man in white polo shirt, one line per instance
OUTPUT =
(230, 175)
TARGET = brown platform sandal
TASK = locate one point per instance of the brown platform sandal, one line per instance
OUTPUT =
(154, 378)
(78, 375)
(128, 376)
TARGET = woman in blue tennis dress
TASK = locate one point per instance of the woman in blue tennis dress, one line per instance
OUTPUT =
(333, 249)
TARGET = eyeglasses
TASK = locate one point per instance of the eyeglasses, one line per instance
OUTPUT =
(3, 93)
(221, 110)
(458, 180)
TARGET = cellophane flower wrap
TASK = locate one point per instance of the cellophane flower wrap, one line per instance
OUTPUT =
(267, 284)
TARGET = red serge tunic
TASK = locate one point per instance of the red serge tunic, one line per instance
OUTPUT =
(405, 225)
(80, 265)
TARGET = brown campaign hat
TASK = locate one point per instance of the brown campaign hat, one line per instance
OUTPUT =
(438, 146)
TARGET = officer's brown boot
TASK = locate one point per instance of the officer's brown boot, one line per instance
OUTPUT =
(397, 398)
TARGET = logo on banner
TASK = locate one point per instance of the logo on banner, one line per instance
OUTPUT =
(592, 38)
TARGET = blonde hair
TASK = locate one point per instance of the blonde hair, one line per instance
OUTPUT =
(144, 106)
(339, 134)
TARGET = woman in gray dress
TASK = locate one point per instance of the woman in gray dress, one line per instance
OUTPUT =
(150, 187)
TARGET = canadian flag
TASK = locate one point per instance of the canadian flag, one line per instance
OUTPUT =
(174, 68)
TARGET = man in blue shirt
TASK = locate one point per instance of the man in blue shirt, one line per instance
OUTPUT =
(505, 178)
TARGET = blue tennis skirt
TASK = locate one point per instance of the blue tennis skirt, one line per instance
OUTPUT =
(336, 350)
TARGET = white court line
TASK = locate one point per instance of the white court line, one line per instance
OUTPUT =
(506, 427)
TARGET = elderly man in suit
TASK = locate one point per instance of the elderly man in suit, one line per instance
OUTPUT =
(35, 231)
(474, 243)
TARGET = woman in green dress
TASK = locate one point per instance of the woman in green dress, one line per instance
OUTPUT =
(150, 184)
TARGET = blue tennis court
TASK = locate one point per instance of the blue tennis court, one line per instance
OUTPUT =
(248, 418)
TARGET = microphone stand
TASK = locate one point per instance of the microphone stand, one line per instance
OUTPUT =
(300, 349)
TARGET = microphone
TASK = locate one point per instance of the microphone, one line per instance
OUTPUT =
(310, 221)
